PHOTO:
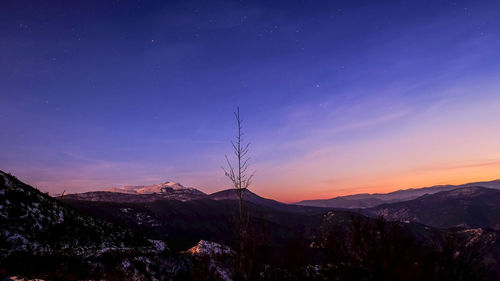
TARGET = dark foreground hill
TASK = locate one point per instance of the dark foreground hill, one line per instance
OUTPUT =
(182, 224)
(43, 237)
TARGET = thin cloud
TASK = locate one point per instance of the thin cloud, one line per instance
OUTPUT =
(475, 164)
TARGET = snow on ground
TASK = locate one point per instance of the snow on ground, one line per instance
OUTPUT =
(15, 278)
(125, 210)
(478, 234)
(158, 245)
(208, 248)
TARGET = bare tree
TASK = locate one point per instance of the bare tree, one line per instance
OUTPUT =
(239, 176)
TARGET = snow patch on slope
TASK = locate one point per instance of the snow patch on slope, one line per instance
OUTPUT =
(208, 248)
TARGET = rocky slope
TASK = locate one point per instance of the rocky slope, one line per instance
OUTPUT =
(467, 207)
(44, 232)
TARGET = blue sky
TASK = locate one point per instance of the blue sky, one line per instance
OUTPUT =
(107, 93)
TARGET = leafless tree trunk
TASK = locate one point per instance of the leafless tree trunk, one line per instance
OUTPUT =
(240, 178)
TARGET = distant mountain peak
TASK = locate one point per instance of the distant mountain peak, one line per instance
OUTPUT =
(467, 191)
(149, 189)
(168, 190)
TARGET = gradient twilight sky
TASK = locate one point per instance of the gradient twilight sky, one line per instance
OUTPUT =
(338, 97)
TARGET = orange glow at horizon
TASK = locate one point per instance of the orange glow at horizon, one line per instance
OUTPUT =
(384, 185)
(451, 143)
(454, 141)
(384, 182)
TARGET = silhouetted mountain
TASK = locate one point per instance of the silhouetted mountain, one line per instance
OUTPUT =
(343, 202)
(367, 200)
(249, 196)
(468, 207)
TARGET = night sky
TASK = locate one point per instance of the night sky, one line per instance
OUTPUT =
(337, 97)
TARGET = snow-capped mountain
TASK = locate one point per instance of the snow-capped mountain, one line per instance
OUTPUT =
(151, 189)
(143, 193)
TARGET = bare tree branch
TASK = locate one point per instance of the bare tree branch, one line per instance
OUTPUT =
(238, 176)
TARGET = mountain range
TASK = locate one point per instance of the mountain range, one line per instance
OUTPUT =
(367, 200)
(465, 207)
(469, 205)
(442, 206)
(174, 191)
(134, 225)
